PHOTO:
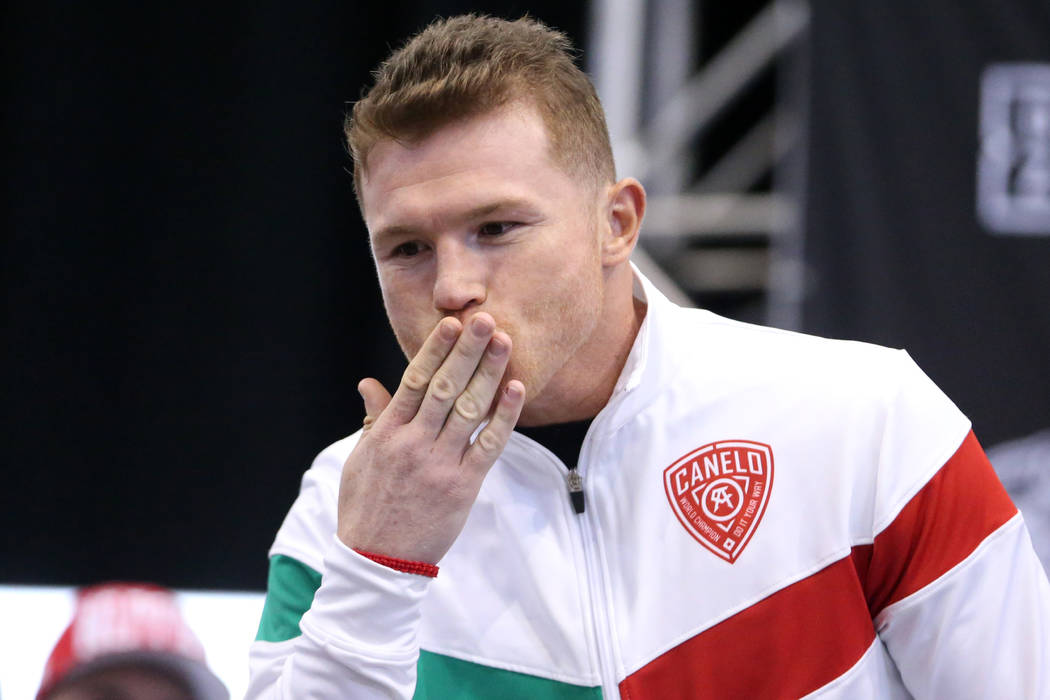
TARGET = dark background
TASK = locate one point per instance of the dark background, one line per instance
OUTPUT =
(895, 250)
(189, 300)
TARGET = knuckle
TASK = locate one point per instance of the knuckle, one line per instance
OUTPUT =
(443, 388)
(414, 379)
(467, 407)
(466, 352)
(492, 367)
(489, 443)
(486, 375)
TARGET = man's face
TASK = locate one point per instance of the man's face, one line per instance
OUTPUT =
(477, 217)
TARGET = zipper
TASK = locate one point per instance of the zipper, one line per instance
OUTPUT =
(575, 482)
(601, 627)
(600, 605)
(599, 611)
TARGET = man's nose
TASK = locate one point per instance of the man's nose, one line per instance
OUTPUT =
(460, 278)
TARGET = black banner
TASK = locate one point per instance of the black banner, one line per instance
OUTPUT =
(928, 204)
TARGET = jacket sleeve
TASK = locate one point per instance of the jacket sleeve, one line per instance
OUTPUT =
(956, 591)
(335, 624)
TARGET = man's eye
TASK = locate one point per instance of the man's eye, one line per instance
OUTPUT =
(495, 228)
(408, 250)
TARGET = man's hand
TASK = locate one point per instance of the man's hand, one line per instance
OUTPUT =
(409, 484)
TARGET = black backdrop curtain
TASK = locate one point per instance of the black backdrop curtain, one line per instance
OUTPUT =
(895, 249)
(188, 296)
(189, 302)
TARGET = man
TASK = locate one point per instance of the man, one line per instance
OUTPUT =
(732, 512)
(128, 641)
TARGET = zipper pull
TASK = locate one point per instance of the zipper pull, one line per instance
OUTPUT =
(575, 489)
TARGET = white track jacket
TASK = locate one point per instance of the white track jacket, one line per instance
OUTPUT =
(768, 515)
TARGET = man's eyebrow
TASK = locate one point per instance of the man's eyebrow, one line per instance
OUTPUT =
(517, 205)
(490, 208)
(394, 231)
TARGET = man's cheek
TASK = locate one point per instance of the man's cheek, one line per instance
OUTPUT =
(407, 337)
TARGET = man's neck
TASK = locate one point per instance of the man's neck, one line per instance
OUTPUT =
(582, 387)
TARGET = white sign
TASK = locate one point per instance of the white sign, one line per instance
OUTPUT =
(1013, 170)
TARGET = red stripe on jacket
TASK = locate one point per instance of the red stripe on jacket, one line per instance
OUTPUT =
(938, 528)
(784, 646)
(807, 634)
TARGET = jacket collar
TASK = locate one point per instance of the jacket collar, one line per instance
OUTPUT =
(648, 367)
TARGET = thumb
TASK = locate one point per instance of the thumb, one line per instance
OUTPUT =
(376, 398)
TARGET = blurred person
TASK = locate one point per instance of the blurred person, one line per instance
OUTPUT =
(128, 641)
(626, 498)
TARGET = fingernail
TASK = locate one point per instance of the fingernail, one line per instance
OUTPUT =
(480, 326)
(448, 330)
(497, 347)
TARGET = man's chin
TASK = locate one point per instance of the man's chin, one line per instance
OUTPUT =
(535, 408)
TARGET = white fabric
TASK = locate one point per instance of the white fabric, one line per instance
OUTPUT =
(993, 610)
(360, 634)
(874, 677)
(530, 586)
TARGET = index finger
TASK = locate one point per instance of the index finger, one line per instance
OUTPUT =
(414, 382)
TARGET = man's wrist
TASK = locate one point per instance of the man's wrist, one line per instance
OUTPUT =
(363, 605)
(404, 565)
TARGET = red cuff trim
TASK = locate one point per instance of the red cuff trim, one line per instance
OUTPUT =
(409, 567)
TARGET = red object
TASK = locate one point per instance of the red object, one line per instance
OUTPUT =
(405, 565)
(719, 493)
(129, 623)
(785, 646)
(938, 528)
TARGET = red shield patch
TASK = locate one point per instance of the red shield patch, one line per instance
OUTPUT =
(719, 493)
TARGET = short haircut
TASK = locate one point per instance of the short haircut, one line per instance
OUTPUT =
(468, 65)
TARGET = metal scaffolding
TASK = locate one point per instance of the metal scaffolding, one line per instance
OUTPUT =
(722, 232)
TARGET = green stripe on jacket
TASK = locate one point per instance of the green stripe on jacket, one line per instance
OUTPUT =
(445, 678)
(290, 592)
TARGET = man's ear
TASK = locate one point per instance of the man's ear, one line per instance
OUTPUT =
(625, 207)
